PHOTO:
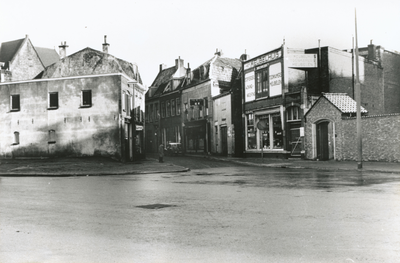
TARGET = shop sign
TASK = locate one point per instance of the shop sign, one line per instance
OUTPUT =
(302, 61)
(249, 83)
(275, 79)
(263, 59)
(139, 127)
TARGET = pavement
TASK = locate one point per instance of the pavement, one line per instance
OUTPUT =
(96, 166)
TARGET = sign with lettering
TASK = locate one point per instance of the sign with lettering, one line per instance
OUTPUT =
(263, 59)
(275, 79)
(249, 84)
(302, 60)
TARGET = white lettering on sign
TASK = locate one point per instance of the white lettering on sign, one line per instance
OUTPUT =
(263, 59)
(275, 79)
(302, 60)
(249, 83)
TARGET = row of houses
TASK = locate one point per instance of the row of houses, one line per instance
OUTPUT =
(252, 107)
(283, 103)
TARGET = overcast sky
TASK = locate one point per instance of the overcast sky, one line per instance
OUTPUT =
(152, 32)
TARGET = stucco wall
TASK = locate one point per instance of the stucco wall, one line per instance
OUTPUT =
(79, 131)
(26, 63)
(222, 117)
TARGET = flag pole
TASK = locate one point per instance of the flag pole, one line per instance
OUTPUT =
(358, 101)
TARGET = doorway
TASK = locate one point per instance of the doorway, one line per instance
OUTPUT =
(323, 141)
(224, 141)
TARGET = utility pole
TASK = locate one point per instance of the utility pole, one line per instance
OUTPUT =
(358, 101)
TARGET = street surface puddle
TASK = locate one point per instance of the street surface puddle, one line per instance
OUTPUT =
(155, 206)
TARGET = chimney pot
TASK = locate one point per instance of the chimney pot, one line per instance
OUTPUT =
(105, 45)
(63, 49)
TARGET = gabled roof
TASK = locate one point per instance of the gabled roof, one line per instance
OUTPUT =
(89, 61)
(343, 102)
(48, 56)
(8, 50)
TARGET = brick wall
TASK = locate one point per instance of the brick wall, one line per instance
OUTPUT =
(380, 138)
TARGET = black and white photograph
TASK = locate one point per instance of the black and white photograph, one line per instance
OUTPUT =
(214, 131)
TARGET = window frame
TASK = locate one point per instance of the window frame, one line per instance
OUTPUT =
(16, 138)
(83, 104)
(12, 102)
(50, 106)
(52, 137)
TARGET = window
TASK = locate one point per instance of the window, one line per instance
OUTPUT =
(168, 108)
(151, 113)
(178, 106)
(52, 136)
(147, 113)
(53, 100)
(292, 114)
(157, 112)
(14, 103)
(173, 109)
(16, 138)
(86, 98)
(163, 109)
(262, 84)
(264, 131)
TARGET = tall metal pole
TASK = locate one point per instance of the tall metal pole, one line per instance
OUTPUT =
(358, 101)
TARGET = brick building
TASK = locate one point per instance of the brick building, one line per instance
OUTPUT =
(86, 104)
(163, 107)
(211, 101)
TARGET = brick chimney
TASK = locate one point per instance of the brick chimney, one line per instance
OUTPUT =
(178, 63)
(105, 45)
(162, 67)
(371, 51)
(63, 49)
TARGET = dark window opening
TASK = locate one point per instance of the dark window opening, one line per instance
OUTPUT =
(53, 100)
(15, 103)
(86, 98)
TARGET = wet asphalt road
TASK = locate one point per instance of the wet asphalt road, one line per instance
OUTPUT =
(217, 212)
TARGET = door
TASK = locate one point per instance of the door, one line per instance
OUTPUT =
(322, 141)
(224, 141)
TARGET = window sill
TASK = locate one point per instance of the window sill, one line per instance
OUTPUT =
(16, 143)
(85, 106)
(52, 108)
(14, 110)
(51, 142)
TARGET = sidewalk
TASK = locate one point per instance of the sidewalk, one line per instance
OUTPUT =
(84, 166)
(94, 166)
(386, 167)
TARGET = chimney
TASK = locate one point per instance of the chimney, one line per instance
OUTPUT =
(63, 49)
(178, 63)
(244, 57)
(188, 74)
(218, 53)
(371, 51)
(162, 67)
(105, 45)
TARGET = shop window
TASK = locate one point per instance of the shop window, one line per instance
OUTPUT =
(292, 113)
(264, 132)
(53, 100)
(16, 138)
(14, 102)
(86, 98)
(52, 136)
(262, 84)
